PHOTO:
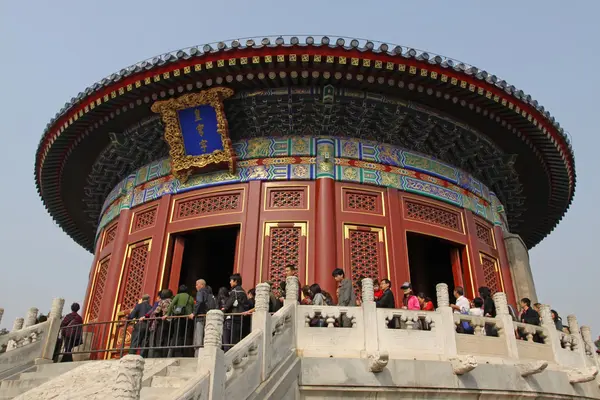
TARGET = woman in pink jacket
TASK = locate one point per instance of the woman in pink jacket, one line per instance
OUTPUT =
(410, 301)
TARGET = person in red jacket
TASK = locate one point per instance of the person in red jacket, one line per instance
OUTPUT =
(425, 302)
(378, 292)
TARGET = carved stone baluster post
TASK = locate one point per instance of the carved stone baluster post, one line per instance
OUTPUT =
(576, 339)
(1, 314)
(292, 286)
(57, 308)
(211, 357)
(446, 333)
(586, 335)
(31, 318)
(51, 337)
(17, 326)
(292, 292)
(508, 328)
(261, 321)
(129, 378)
(552, 335)
(378, 358)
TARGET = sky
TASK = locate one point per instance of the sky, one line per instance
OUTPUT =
(50, 51)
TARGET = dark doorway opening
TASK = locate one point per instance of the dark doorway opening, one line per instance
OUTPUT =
(432, 260)
(209, 254)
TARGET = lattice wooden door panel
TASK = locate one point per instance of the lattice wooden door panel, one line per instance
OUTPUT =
(491, 273)
(130, 291)
(285, 244)
(365, 253)
(97, 294)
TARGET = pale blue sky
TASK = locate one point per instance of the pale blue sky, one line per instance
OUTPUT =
(50, 51)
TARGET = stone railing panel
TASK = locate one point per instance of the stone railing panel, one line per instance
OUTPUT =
(24, 337)
(195, 389)
(568, 352)
(479, 342)
(405, 333)
(243, 366)
(282, 335)
(533, 342)
(341, 335)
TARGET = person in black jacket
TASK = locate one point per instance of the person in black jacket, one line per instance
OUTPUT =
(236, 304)
(139, 336)
(387, 299)
(529, 316)
(489, 309)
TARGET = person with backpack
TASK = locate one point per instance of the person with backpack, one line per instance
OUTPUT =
(205, 301)
(181, 307)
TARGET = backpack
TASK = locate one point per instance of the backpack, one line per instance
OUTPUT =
(211, 303)
(180, 310)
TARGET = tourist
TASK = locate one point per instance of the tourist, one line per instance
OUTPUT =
(139, 336)
(282, 286)
(346, 297)
(318, 300)
(377, 292)
(317, 295)
(409, 301)
(476, 309)
(71, 332)
(528, 314)
(358, 293)
(274, 303)
(205, 301)
(557, 320)
(156, 301)
(489, 309)
(538, 307)
(236, 304)
(306, 300)
(180, 308)
(425, 302)
(387, 299)
(159, 328)
(328, 298)
(462, 305)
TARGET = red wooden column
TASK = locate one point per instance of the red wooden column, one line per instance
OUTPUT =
(249, 237)
(399, 269)
(473, 247)
(505, 267)
(325, 241)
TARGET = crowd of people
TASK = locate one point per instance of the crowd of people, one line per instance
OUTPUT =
(173, 325)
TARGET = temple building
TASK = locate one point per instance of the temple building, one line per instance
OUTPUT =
(247, 156)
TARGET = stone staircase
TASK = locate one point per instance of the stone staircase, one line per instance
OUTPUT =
(32, 378)
(162, 384)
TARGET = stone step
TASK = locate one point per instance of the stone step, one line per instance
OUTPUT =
(181, 371)
(187, 362)
(13, 388)
(58, 368)
(154, 393)
(168, 381)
